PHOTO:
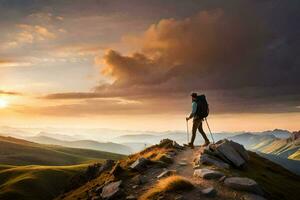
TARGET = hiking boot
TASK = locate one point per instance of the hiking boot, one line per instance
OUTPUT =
(206, 144)
(191, 145)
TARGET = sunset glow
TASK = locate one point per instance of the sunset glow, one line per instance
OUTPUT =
(3, 103)
(106, 62)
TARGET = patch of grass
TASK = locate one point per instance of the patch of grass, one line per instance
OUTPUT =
(169, 184)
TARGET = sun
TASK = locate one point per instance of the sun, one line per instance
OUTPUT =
(3, 103)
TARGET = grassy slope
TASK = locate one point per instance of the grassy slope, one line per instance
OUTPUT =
(277, 181)
(34, 181)
(20, 152)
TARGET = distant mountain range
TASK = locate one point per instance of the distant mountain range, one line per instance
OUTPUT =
(277, 146)
(85, 144)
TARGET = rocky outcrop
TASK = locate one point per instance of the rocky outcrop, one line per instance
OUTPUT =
(227, 150)
(211, 160)
(224, 154)
(167, 143)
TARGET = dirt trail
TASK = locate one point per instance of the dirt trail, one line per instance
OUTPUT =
(188, 155)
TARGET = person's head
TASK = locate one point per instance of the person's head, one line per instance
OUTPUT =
(194, 96)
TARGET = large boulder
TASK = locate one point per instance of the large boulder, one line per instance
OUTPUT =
(211, 160)
(111, 190)
(243, 184)
(240, 149)
(139, 164)
(230, 153)
(208, 174)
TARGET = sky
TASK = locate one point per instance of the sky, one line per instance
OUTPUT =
(131, 64)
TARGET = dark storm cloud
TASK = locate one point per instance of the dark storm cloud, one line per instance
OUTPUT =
(240, 53)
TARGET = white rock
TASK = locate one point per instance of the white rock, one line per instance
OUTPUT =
(207, 174)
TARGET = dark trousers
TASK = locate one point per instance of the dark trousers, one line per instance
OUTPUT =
(197, 124)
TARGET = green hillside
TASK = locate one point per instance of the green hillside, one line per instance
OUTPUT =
(35, 182)
(21, 152)
(31, 171)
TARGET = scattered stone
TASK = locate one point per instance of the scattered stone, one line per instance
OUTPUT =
(209, 192)
(222, 179)
(177, 146)
(210, 160)
(166, 158)
(243, 184)
(182, 163)
(135, 186)
(207, 174)
(230, 153)
(99, 189)
(179, 197)
(171, 153)
(106, 166)
(197, 167)
(111, 190)
(166, 173)
(161, 164)
(139, 164)
(131, 197)
(252, 197)
(117, 169)
(139, 179)
(240, 149)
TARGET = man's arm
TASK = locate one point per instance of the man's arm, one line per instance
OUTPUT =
(194, 109)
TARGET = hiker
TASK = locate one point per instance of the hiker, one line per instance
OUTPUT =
(199, 112)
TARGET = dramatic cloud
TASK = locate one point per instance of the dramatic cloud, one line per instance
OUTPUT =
(233, 57)
(242, 55)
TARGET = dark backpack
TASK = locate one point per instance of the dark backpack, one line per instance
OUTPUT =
(202, 107)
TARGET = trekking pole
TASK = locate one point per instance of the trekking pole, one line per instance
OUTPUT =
(187, 131)
(210, 131)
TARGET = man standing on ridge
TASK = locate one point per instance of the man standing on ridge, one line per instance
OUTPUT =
(199, 112)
